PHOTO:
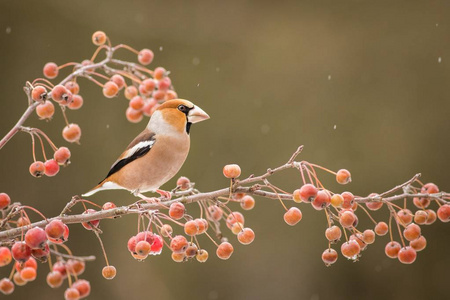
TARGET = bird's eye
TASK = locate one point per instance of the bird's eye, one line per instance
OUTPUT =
(183, 108)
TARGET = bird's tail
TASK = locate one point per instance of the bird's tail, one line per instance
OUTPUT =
(104, 185)
(97, 188)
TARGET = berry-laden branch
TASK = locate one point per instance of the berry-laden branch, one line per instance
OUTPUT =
(165, 223)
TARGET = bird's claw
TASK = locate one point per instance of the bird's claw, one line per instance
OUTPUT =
(165, 194)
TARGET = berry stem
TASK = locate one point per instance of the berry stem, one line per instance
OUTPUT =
(103, 247)
(67, 65)
(323, 168)
(368, 214)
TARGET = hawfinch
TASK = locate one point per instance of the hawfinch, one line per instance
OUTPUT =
(157, 153)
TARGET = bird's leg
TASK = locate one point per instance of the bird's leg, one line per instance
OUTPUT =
(164, 194)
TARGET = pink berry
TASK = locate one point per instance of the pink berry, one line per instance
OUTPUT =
(308, 192)
(36, 238)
(51, 167)
(45, 110)
(110, 89)
(293, 216)
(99, 38)
(62, 155)
(343, 176)
(231, 171)
(443, 213)
(20, 251)
(50, 70)
(5, 256)
(72, 133)
(5, 200)
(145, 56)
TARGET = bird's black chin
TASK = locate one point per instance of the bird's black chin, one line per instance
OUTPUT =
(188, 127)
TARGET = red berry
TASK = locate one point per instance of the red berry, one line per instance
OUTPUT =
(329, 256)
(215, 213)
(333, 233)
(202, 225)
(6, 286)
(109, 272)
(178, 244)
(130, 92)
(293, 216)
(73, 87)
(108, 205)
(237, 227)
(5, 200)
(420, 217)
(347, 219)
(41, 254)
(147, 86)
(190, 228)
(5, 256)
(381, 228)
(176, 210)
(134, 116)
(443, 213)
(322, 200)
(88, 225)
(137, 103)
(359, 239)
(407, 255)
(110, 89)
(62, 155)
(60, 266)
(246, 236)
(98, 38)
(164, 84)
(55, 229)
(431, 217)
(35, 238)
(157, 245)
(405, 216)
(50, 70)
(411, 232)
(159, 95)
(61, 95)
(145, 56)
(429, 188)
(145, 236)
(83, 287)
(348, 200)
(421, 202)
(39, 93)
(183, 183)
(308, 192)
(31, 262)
(248, 202)
(374, 205)
(54, 279)
(350, 249)
(72, 133)
(392, 249)
(224, 250)
(45, 110)
(51, 167)
(71, 294)
(343, 176)
(234, 217)
(368, 236)
(118, 79)
(231, 171)
(170, 95)
(77, 102)
(159, 73)
(419, 244)
(20, 251)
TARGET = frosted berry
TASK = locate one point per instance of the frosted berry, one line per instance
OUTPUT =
(157, 245)
(72, 133)
(108, 205)
(329, 256)
(333, 233)
(347, 219)
(191, 250)
(431, 216)
(75, 266)
(248, 202)
(143, 248)
(50, 70)
(184, 183)
(336, 200)
(5, 200)
(412, 232)
(293, 216)
(137, 103)
(202, 225)
(443, 213)
(405, 216)
(177, 210)
(62, 155)
(231, 171)
(73, 87)
(420, 217)
(61, 95)
(54, 279)
(215, 213)
(343, 176)
(98, 38)
(71, 294)
(392, 249)
(419, 244)
(348, 200)
(381, 228)
(374, 205)
(28, 274)
(202, 255)
(350, 249)
(164, 84)
(45, 110)
(178, 257)
(134, 116)
(368, 236)
(159, 73)
(39, 94)
(41, 254)
(35, 238)
(6, 286)
(234, 217)
(407, 255)
(109, 272)
(322, 200)
(51, 168)
(166, 230)
(237, 227)
(224, 250)
(246, 236)
(20, 251)
(5, 256)
(421, 202)
(145, 56)
(191, 228)
(88, 225)
(18, 280)
(77, 102)
(83, 287)
(118, 79)
(110, 89)
(130, 92)
(308, 192)
(178, 244)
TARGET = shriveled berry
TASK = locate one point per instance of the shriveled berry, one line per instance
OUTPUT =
(5, 256)
(329, 256)
(37, 169)
(308, 192)
(6, 286)
(215, 213)
(293, 216)
(145, 56)
(381, 228)
(443, 213)
(177, 210)
(392, 249)
(232, 171)
(248, 202)
(50, 70)
(407, 255)
(39, 94)
(202, 255)
(41, 254)
(45, 110)
(62, 155)
(246, 236)
(20, 251)
(343, 176)
(224, 250)
(98, 38)
(178, 244)
(72, 133)
(5, 200)
(109, 272)
(191, 250)
(51, 168)
(166, 230)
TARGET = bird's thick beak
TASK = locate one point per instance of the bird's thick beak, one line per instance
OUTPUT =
(196, 115)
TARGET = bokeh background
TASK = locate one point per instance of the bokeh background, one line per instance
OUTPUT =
(362, 84)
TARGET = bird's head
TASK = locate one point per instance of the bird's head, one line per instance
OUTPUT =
(179, 114)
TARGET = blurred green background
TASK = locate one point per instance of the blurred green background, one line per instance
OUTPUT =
(272, 76)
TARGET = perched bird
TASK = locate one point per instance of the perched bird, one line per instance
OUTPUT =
(157, 153)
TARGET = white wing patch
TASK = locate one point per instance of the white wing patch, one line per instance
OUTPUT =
(136, 147)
